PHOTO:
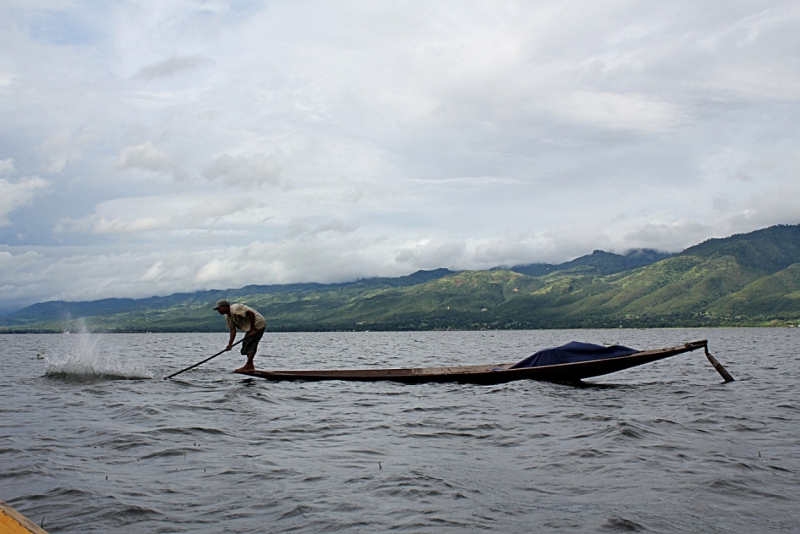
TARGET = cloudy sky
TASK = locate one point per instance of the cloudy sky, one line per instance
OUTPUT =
(151, 147)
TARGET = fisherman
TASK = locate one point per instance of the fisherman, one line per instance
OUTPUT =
(248, 320)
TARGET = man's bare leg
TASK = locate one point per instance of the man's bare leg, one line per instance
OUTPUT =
(249, 365)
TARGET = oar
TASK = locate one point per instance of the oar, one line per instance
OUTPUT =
(204, 361)
(718, 366)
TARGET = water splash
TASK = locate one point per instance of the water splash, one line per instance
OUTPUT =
(87, 356)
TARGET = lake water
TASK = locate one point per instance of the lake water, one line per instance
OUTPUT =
(93, 440)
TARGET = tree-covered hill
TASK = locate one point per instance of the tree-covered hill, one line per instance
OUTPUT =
(765, 251)
(745, 279)
(598, 262)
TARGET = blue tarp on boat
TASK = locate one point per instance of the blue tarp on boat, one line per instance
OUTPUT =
(574, 352)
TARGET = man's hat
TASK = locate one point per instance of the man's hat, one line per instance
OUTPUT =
(221, 303)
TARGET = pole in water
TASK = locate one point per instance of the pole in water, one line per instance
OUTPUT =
(201, 363)
(718, 366)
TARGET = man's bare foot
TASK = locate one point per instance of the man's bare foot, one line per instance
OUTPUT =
(245, 369)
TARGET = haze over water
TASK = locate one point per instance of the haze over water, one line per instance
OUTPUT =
(93, 440)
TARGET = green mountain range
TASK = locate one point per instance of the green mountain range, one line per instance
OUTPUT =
(745, 279)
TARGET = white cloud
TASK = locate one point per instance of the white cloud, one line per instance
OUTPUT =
(61, 149)
(619, 111)
(136, 270)
(432, 254)
(149, 158)
(471, 181)
(553, 245)
(777, 205)
(307, 226)
(671, 236)
(153, 272)
(6, 80)
(171, 66)
(16, 194)
(251, 170)
(144, 156)
(378, 139)
(6, 166)
(162, 214)
(771, 79)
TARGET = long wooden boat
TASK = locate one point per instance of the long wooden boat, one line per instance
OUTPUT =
(494, 373)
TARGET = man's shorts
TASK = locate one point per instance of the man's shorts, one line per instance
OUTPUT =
(250, 343)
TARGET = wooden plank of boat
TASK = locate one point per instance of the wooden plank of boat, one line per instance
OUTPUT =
(13, 522)
(484, 374)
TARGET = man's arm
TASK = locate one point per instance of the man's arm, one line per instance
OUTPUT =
(233, 336)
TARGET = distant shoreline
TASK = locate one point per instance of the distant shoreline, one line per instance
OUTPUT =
(745, 280)
(376, 330)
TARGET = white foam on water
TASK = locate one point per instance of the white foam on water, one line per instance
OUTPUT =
(82, 355)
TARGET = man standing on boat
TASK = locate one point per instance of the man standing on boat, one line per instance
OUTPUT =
(248, 320)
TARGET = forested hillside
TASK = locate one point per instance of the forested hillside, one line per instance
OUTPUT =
(746, 279)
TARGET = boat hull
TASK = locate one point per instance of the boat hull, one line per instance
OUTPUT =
(483, 374)
(13, 522)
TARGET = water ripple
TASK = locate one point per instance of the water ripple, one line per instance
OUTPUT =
(89, 443)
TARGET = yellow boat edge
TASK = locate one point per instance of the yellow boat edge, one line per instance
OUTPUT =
(13, 522)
